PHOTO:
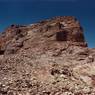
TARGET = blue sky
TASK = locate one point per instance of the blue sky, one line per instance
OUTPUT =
(31, 11)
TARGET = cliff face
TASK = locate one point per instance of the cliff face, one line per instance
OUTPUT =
(50, 57)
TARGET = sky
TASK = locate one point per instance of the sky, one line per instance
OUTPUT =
(31, 11)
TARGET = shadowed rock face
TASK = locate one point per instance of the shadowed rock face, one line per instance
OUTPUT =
(62, 36)
(50, 57)
(12, 39)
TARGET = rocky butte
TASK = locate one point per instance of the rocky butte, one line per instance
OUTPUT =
(50, 57)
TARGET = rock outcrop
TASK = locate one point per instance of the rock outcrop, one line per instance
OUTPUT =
(65, 28)
(50, 57)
